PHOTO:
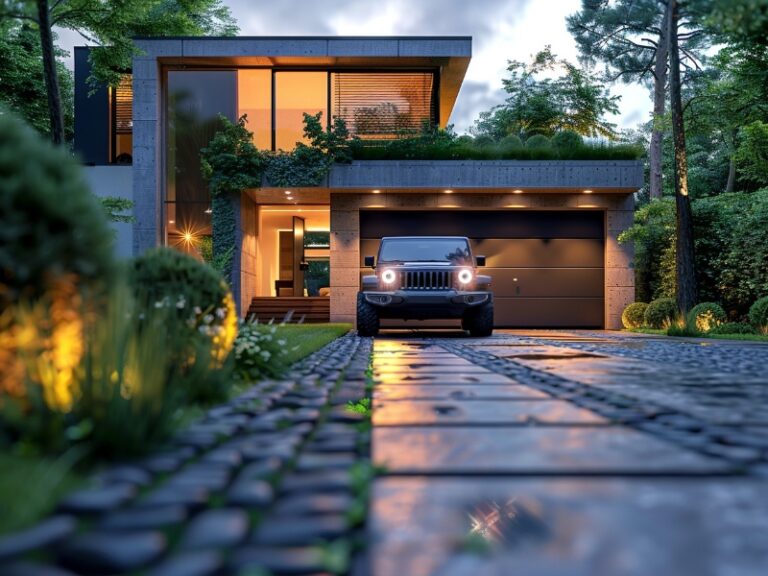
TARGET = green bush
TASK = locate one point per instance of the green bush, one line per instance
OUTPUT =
(200, 314)
(52, 226)
(706, 316)
(566, 140)
(634, 315)
(758, 314)
(510, 142)
(259, 351)
(733, 328)
(660, 312)
(537, 142)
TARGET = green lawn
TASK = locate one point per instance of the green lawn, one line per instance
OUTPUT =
(303, 339)
(742, 337)
(31, 486)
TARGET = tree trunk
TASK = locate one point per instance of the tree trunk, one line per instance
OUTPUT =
(684, 251)
(659, 101)
(50, 73)
(731, 184)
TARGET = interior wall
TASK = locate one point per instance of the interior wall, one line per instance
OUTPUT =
(271, 220)
(249, 257)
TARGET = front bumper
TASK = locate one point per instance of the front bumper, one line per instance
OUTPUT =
(421, 304)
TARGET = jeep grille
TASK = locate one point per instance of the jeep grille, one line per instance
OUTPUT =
(427, 280)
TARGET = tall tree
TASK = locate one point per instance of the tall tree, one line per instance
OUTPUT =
(111, 24)
(630, 38)
(22, 84)
(538, 103)
(684, 250)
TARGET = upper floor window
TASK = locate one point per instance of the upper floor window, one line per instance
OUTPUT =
(121, 121)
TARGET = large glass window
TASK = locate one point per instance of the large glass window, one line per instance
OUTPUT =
(295, 94)
(381, 105)
(195, 98)
(254, 98)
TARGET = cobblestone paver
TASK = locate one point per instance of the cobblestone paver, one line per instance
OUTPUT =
(584, 453)
(262, 485)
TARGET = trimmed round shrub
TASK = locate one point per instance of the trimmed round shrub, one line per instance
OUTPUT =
(537, 142)
(706, 316)
(198, 301)
(483, 140)
(758, 314)
(566, 140)
(659, 312)
(510, 142)
(53, 228)
(634, 315)
(733, 328)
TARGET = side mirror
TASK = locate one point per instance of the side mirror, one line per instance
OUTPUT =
(480, 260)
(304, 266)
(370, 262)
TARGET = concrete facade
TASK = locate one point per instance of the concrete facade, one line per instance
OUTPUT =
(345, 236)
(116, 181)
(490, 185)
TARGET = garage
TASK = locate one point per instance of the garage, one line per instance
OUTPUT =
(547, 266)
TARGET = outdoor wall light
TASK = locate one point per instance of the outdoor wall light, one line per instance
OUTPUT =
(465, 276)
(209, 210)
(388, 276)
(171, 221)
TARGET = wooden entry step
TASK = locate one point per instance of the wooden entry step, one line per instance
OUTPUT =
(310, 309)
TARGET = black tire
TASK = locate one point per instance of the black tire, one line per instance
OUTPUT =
(367, 317)
(480, 321)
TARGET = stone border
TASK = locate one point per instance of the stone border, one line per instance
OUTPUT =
(266, 481)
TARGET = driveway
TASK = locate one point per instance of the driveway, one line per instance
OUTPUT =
(569, 452)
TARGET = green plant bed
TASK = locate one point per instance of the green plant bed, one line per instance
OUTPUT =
(743, 337)
(30, 488)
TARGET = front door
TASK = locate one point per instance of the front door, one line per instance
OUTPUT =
(298, 256)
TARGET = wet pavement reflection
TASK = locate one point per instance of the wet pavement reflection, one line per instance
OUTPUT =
(567, 453)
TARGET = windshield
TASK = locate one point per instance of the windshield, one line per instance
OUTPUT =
(448, 250)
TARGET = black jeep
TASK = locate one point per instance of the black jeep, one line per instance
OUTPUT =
(425, 277)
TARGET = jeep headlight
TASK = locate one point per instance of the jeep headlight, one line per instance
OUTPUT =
(465, 276)
(388, 276)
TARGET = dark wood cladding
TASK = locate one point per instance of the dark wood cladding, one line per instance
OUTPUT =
(482, 224)
(552, 278)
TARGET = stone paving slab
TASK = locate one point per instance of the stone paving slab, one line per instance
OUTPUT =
(479, 379)
(578, 527)
(481, 412)
(449, 365)
(529, 450)
(458, 392)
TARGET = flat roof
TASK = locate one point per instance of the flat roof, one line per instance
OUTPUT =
(451, 54)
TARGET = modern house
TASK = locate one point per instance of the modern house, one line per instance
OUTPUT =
(548, 228)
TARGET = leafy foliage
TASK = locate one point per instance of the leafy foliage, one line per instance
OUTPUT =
(115, 209)
(52, 227)
(259, 351)
(660, 312)
(752, 153)
(706, 316)
(758, 314)
(733, 328)
(538, 103)
(633, 315)
(22, 88)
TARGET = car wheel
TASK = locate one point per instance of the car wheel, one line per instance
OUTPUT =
(480, 322)
(367, 317)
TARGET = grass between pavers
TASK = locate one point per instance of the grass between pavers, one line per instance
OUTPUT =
(31, 486)
(741, 337)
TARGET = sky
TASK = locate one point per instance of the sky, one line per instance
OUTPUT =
(501, 30)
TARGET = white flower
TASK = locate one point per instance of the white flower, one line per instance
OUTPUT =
(221, 313)
(208, 318)
(197, 310)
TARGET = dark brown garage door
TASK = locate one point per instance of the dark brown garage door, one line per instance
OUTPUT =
(547, 267)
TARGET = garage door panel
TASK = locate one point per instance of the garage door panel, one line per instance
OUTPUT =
(539, 253)
(546, 282)
(548, 312)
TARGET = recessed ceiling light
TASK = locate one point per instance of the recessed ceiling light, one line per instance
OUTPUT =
(587, 191)
(287, 192)
(517, 191)
(448, 191)
(377, 191)
(171, 221)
